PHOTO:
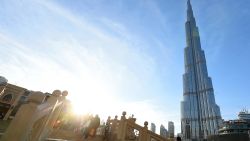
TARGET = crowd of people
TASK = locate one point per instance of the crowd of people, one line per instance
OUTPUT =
(86, 125)
(90, 126)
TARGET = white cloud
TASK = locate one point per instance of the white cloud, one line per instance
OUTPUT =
(94, 66)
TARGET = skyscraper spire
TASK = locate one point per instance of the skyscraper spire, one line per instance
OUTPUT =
(189, 4)
(190, 14)
(200, 115)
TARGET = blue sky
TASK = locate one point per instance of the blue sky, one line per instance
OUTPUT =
(126, 53)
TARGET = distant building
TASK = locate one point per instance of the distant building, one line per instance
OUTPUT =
(241, 125)
(235, 127)
(152, 127)
(171, 129)
(244, 115)
(233, 130)
(163, 131)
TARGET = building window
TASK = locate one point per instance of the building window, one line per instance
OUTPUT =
(7, 98)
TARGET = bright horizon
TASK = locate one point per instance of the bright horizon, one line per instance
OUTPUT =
(115, 56)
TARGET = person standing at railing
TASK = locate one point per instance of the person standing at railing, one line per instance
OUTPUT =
(107, 130)
(95, 123)
(90, 130)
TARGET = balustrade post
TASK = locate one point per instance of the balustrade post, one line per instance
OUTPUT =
(122, 127)
(46, 128)
(20, 127)
(144, 132)
(58, 110)
(114, 129)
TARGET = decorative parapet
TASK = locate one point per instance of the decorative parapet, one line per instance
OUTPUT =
(35, 118)
(36, 97)
(127, 129)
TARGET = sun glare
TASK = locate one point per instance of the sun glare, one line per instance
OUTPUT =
(94, 98)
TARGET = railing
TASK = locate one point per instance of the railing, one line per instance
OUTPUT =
(35, 119)
(127, 130)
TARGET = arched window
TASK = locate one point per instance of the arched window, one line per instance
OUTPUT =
(7, 98)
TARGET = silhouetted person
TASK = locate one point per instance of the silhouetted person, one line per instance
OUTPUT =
(95, 123)
(1, 115)
(91, 129)
(178, 139)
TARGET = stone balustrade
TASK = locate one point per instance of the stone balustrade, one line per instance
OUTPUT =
(127, 129)
(35, 119)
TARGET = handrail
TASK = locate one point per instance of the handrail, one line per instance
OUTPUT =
(29, 114)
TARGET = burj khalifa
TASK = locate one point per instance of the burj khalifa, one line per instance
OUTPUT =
(200, 115)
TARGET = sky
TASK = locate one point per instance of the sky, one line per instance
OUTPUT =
(125, 55)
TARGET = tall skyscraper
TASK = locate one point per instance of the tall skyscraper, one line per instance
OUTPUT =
(152, 127)
(200, 115)
(171, 129)
(163, 131)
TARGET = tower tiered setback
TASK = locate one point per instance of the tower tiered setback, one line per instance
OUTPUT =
(200, 115)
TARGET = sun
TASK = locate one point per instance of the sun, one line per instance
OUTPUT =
(94, 98)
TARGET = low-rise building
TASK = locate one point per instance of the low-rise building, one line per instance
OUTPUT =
(244, 115)
(234, 127)
(11, 98)
(233, 130)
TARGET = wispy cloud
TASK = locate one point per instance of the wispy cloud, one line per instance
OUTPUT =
(91, 63)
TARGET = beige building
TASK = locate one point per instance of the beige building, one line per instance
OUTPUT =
(10, 100)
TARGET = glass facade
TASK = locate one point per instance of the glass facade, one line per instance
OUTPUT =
(200, 116)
